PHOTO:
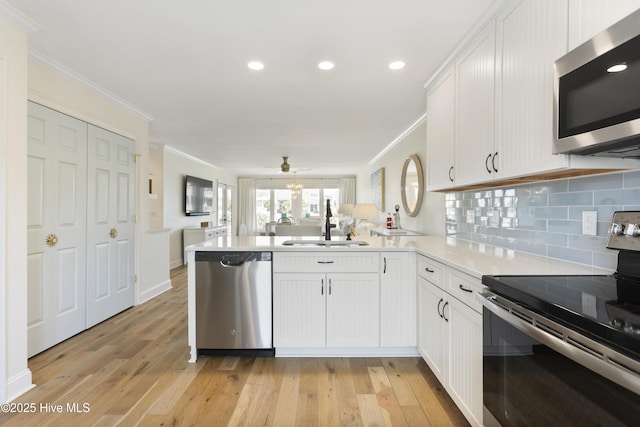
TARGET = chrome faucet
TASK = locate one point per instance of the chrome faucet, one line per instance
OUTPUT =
(327, 224)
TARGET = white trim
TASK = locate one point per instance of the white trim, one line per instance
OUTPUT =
(18, 18)
(188, 156)
(155, 291)
(44, 60)
(399, 138)
(348, 352)
(19, 384)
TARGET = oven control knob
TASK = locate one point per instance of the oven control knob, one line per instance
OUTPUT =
(617, 229)
(617, 323)
(632, 329)
(632, 229)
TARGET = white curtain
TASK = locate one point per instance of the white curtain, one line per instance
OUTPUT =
(247, 204)
(348, 191)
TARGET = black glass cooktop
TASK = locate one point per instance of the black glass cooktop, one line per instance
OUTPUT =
(606, 308)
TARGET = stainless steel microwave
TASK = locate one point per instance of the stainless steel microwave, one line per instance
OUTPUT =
(597, 94)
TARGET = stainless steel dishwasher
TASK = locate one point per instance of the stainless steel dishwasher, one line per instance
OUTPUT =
(234, 303)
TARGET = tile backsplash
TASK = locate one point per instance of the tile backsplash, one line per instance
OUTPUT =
(545, 218)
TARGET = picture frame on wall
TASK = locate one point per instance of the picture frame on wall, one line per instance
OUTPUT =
(377, 189)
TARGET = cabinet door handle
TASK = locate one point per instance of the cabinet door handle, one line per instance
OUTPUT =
(465, 289)
(446, 319)
(486, 163)
(428, 270)
(322, 287)
(325, 262)
(493, 162)
(450, 174)
(440, 314)
(329, 286)
(384, 271)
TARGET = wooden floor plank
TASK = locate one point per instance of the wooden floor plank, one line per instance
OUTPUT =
(133, 370)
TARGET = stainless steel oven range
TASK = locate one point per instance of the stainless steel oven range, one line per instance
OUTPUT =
(565, 350)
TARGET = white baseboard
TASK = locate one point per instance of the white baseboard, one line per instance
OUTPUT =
(19, 384)
(155, 291)
(348, 352)
(176, 263)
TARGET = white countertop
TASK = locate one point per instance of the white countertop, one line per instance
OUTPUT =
(472, 258)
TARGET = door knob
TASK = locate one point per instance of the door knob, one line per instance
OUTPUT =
(51, 240)
(113, 233)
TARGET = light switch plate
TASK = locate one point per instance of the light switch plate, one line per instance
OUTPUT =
(590, 223)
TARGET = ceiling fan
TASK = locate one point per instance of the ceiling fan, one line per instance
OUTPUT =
(285, 166)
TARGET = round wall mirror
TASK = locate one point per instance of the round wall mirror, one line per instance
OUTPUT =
(412, 185)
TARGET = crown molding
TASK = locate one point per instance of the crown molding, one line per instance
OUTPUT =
(399, 138)
(177, 152)
(18, 18)
(45, 61)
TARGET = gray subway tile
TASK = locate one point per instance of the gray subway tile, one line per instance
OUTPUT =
(631, 179)
(584, 198)
(596, 182)
(570, 254)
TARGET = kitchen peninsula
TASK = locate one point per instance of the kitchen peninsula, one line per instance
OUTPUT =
(394, 296)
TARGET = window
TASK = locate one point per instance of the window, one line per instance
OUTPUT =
(273, 203)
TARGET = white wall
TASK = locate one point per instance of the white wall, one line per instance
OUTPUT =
(176, 166)
(15, 376)
(431, 217)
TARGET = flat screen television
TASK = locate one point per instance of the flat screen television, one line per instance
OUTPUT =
(198, 196)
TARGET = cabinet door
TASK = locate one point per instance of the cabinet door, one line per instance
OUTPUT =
(440, 132)
(474, 129)
(397, 301)
(464, 358)
(431, 334)
(299, 310)
(588, 17)
(353, 310)
(531, 35)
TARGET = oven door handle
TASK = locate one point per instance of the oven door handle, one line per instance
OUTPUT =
(590, 354)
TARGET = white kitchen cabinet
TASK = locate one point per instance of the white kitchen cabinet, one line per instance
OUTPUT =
(588, 17)
(450, 333)
(441, 132)
(531, 35)
(323, 299)
(503, 96)
(476, 159)
(325, 310)
(431, 331)
(464, 358)
(299, 314)
(397, 300)
(353, 307)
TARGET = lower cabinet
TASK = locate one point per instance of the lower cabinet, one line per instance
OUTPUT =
(450, 338)
(326, 310)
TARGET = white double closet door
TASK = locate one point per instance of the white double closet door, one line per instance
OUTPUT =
(80, 218)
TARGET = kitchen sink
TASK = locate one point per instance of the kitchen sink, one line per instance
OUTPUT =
(327, 243)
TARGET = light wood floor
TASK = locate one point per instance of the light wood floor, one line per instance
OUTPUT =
(132, 370)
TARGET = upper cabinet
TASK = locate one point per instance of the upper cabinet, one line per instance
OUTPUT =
(588, 17)
(440, 132)
(531, 35)
(502, 98)
(475, 156)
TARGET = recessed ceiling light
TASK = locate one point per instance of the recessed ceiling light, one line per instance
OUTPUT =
(326, 65)
(255, 65)
(617, 68)
(397, 65)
